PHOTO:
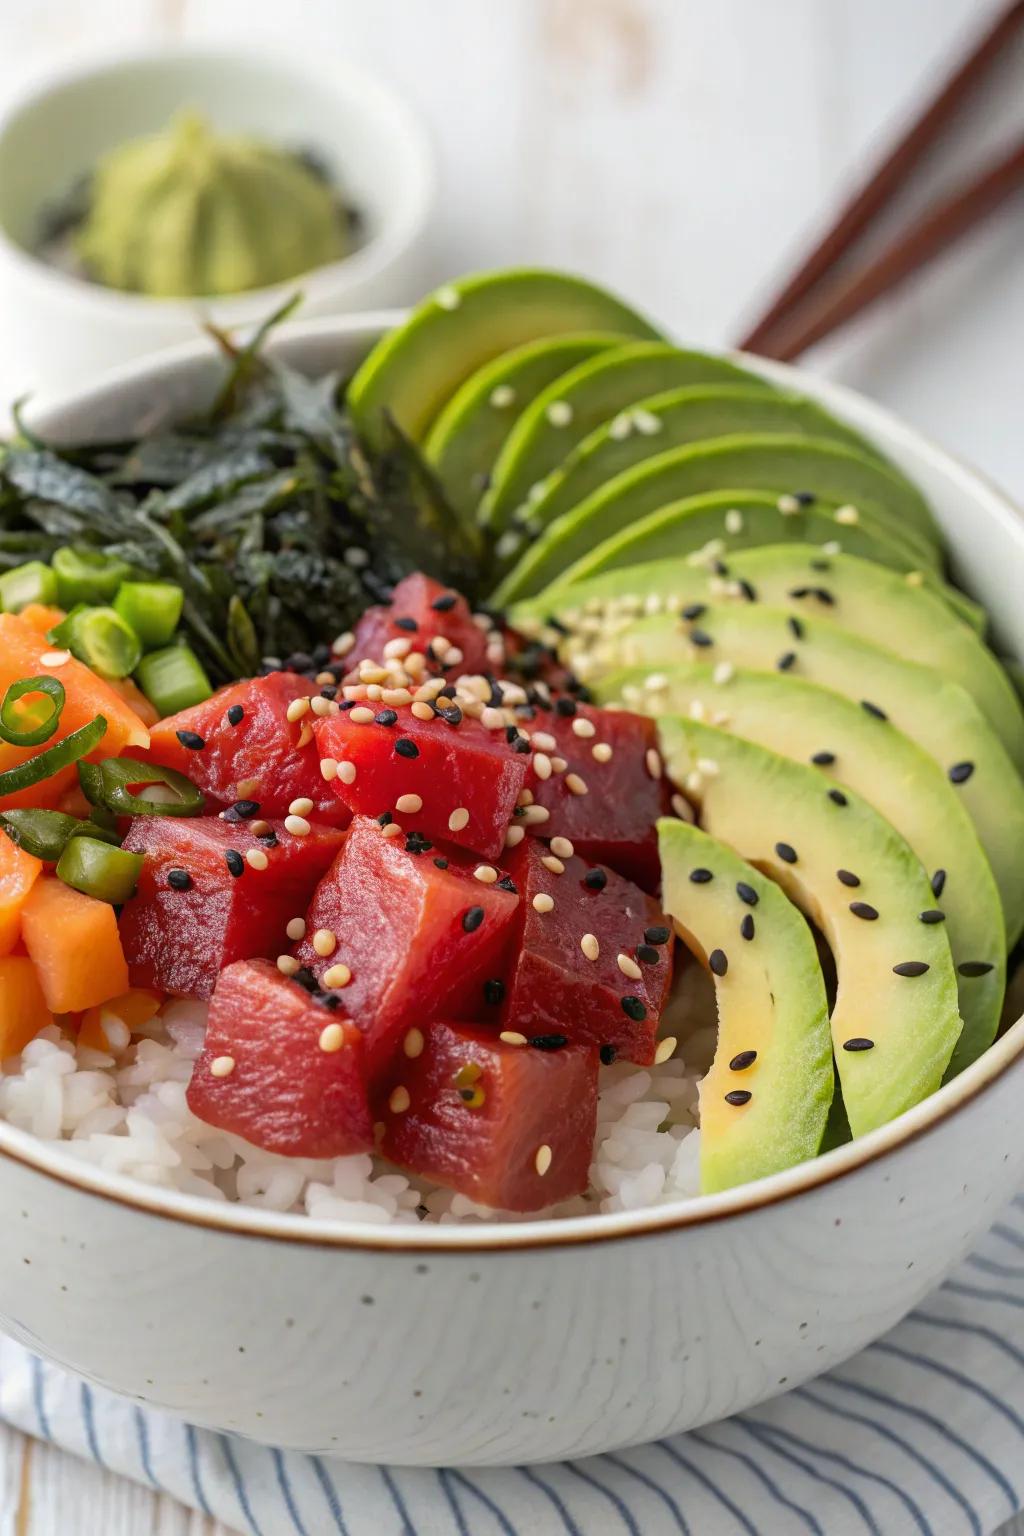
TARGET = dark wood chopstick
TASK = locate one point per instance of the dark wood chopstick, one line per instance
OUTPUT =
(887, 179)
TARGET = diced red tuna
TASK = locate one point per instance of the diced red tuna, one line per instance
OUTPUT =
(608, 798)
(422, 612)
(279, 1069)
(509, 1126)
(595, 967)
(418, 932)
(201, 904)
(447, 778)
(240, 745)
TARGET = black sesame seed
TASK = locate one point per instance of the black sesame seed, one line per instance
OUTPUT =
(385, 819)
(747, 893)
(647, 954)
(847, 877)
(864, 910)
(472, 918)
(452, 715)
(520, 744)
(346, 705)
(298, 661)
(268, 839)
(242, 810)
(805, 498)
(824, 596)
(700, 637)
(657, 935)
(837, 797)
(785, 661)
(566, 707)
(931, 915)
(192, 740)
(329, 691)
(694, 611)
(718, 962)
(549, 1042)
(820, 565)
(386, 717)
(179, 879)
(235, 863)
(506, 883)
(406, 748)
(445, 603)
(911, 968)
(441, 863)
(494, 993)
(799, 592)
(305, 978)
(634, 1009)
(796, 628)
(739, 1096)
(938, 882)
(409, 625)
(747, 927)
(595, 880)
(858, 1043)
(960, 773)
(447, 692)
(742, 1061)
(607, 1054)
(701, 876)
(329, 1000)
(748, 589)
(467, 1095)
(823, 759)
(786, 853)
(236, 714)
(553, 622)
(873, 709)
(975, 967)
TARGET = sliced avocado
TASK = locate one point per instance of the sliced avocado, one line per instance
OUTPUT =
(812, 725)
(414, 371)
(698, 413)
(939, 715)
(764, 1102)
(466, 438)
(768, 462)
(862, 597)
(571, 408)
(895, 1020)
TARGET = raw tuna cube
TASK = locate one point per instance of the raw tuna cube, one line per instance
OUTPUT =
(566, 979)
(279, 1069)
(421, 611)
(608, 798)
(509, 1126)
(201, 904)
(249, 748)
(455, 781)
(419, 934)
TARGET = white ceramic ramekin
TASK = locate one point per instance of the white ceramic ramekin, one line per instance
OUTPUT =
(485, 1344)
(58, 330)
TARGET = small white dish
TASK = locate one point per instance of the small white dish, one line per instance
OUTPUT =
(59, 330)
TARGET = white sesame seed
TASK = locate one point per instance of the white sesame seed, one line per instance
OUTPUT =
(693, 783)
(542, 765)
(304, 737)
(575, 785)
(514, 836)
(589, 945)
(543, 741)
(392, 830)
(347, 773)
(788, 505)
(287, 965)
(245, 789)
(325, 942)
(724, 673)
(682, 808)
(559, 764)
(458, 819)
(298, 826)
(559, 413)
(332, 1038)
(325, 679)
(665, 1049)
(502, 396)
(485, 873)
(525, 797)
(542, 902)
(354, 691)
(847, 515)
(534, 815)
(296, 929)
(343, 644)
(512, 1037)
(653, 760)
(296, 709)
(628, 967)
(399, 1101)
(408, 805)
(621, 426)
(422, 711)
(542, 1162)
(656, 682)
(398, 648)
(355, 557)
(914, 578)
(831, 547)
(550, 861)
(413, 1043)
(601, 752)
(321, 706)
(493, 719)
(448, 297)
(563, 847)
(256, 859)
(361, 716)
(647, 423)
(734, 520)
(301, 807)
(336, 976)
(55, 659)
(583, 727)
(396, 697)
(221, 1066)
(259, 828)
(328, 768)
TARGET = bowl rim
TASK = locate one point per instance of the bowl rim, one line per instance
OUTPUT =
(55, 1162)
(402, 225)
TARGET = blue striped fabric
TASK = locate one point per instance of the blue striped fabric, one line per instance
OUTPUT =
(922, 1433)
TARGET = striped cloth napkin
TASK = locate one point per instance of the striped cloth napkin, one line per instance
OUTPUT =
(922, 1433)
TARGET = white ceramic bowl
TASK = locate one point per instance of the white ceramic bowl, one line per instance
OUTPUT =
(59, 330)
(483, 1344)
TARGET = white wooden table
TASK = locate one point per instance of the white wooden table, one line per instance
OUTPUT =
(680, 150)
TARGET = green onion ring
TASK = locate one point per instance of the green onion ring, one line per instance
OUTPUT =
(35, 735)
(116, 774)
(34, 769)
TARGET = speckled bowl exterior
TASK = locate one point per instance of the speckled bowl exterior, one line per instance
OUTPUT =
(529, 1342)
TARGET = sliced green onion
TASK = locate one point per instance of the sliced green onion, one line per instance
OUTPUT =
(162, 791)
(43, 834)
(96, 869)
(100, 638)
(152, 609)
(45, 764)
(86, 576)
(32, 724)
(32, 582)
(173, 679)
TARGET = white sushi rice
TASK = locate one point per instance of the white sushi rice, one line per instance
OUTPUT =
(126, 1111)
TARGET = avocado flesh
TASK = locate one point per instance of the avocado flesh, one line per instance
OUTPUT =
(938, 715)
(857, 594)
(698, 413)
(466, 438)
(413, 372)
(799, 720)
(758, 802)
(767, 462)
(771, 1002)
(594, 393)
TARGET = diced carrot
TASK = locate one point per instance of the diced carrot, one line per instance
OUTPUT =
(41, 617)
(136, 700)
(133, 1008)
(24, 653)
(18, 873)
(23, 1010)
(74, 942)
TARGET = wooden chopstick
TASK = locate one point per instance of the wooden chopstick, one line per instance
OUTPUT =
(887, 179)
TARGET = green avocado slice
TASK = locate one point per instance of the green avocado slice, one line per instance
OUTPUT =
(862, 597)
(571, 408)
(766, 462)
(414, 371)
(466, 438)
(698, 413)
(764, 1102)
(895, 1020)
(804, 721)
(939, 715)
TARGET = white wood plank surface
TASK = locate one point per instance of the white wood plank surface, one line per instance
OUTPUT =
(682, 151)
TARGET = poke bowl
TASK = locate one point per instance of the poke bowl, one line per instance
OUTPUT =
(367, 1282)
